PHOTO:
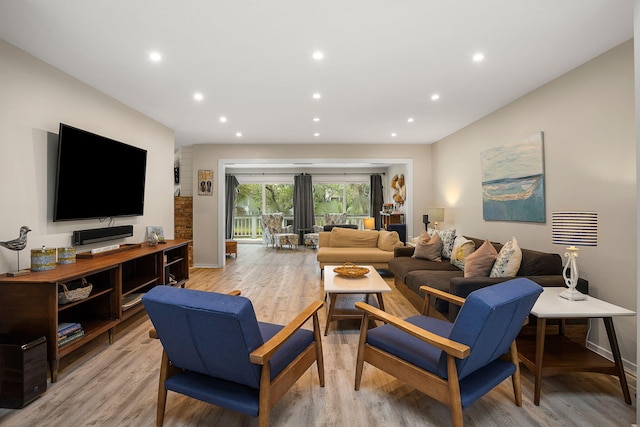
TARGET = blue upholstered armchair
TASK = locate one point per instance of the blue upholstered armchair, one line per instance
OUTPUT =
(215, 350)
(455, 363)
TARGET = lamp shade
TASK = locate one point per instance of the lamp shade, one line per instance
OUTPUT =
(369, 223)
(574, 228)
(436, 214)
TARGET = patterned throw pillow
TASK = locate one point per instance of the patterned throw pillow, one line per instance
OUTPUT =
(430, 251)
(508, 262)
(479, 263)
(448, 237)
(461, 248)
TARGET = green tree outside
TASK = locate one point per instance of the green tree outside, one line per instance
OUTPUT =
(279, 198)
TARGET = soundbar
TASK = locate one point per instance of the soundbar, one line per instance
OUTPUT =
(84, 237)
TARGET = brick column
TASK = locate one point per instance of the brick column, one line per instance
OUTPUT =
(183, 221)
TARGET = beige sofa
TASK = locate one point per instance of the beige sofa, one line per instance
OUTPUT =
(364, 247)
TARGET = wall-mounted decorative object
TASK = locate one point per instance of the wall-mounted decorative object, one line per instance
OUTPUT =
(399, 189)
(205, 183)
(513, 181)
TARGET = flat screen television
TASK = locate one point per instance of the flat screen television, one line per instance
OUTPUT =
(97, 177)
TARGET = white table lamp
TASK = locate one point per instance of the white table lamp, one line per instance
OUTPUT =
(574, 228)
(435, 215)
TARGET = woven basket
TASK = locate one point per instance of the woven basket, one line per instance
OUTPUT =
(350, 270)
(74, 291)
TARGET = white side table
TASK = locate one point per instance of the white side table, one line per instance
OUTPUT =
(555, 354)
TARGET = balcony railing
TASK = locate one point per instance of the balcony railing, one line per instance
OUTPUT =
(250, 227)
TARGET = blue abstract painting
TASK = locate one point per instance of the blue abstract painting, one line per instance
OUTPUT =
(513, 181)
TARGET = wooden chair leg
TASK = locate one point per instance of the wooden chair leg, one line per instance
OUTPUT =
(455, 402)
(360, 358)
(319, 357)
(264, 409)
(517, 385)
(162, 391)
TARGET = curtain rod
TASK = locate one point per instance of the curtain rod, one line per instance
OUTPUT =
(297, 173)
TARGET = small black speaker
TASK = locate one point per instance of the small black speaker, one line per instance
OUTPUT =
(84, 237)
(23, 370)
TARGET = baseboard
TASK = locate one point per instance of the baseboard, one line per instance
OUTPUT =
(629, 367)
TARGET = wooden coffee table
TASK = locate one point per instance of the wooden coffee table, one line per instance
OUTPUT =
(556, 354)
(335, 286)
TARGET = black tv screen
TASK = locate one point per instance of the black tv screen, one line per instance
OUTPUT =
(97, 177)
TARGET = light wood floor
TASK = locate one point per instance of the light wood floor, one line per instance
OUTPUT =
(116, 385)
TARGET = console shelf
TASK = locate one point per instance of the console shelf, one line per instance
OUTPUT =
(30, 302)
(94, 294)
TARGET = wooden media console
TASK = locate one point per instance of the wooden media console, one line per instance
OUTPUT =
(29, 304)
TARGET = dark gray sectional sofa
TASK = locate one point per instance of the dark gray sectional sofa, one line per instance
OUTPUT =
(411, 273)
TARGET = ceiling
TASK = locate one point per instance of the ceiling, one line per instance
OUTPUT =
(252, 60)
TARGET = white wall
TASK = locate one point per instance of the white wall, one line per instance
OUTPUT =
(587, 116)
(34, 99)
(636, 33)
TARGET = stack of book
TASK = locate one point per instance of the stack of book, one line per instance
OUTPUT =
(69, 332)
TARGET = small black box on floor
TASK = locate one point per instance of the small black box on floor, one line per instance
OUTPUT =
(23, 370)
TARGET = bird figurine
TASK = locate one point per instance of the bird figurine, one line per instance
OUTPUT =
(20, 243)
(17, 245)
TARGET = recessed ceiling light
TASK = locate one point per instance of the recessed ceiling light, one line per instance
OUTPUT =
(223, 119)
(478, 57)
(393, 135)
(317, 96)
(317, 55)
(410, 120)
(238, 134)
(198, 96)
(316, 134)
(435, 97)
(316, 119)
(155, 56)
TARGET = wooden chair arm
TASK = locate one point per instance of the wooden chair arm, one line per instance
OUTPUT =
(262, 354)
(442, 295)
(154, 334)
(453, 348)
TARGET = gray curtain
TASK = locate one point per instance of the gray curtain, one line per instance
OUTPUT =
(303, 216)
(377, 199)
(230, 187)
